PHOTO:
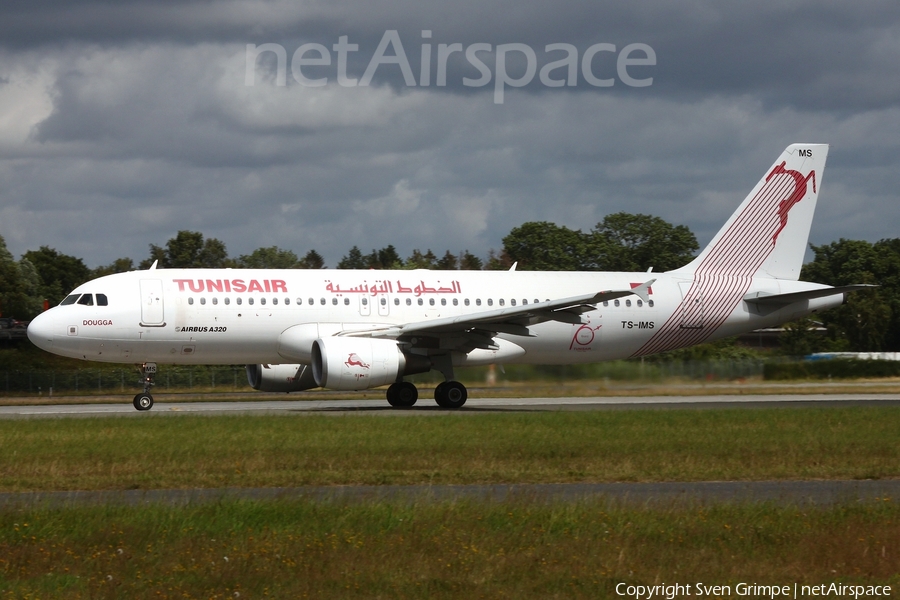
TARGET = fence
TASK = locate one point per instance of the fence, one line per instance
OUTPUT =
(233, 378)
(123, 380)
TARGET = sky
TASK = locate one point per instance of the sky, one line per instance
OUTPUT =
(429, 124)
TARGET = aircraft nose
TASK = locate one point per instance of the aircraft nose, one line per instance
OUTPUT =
(41, 331)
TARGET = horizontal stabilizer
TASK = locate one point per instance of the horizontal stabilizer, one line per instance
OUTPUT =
(790, 298)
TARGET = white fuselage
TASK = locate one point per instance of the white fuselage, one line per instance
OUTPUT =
(237, 316)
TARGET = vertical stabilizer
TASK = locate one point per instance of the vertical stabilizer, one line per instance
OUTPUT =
(768, 233)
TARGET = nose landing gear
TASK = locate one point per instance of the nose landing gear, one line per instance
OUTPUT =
(144, 401)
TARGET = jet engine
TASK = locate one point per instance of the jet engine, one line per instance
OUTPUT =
(280, 378)
(353, 363)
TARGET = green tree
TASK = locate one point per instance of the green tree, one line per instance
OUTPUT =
(448, 262)
(312, 260)
(869, 320)
(386, 258)
(800, 338)
(417, 260)
(59, 273)
(498, 261)
(544, 246)
(120, 265)
(272, 257)
(353, 260)
(470, 262)
(627, 242)
(188, 250)
(14, 297)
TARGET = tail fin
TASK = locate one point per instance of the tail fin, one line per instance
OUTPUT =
(768, 233)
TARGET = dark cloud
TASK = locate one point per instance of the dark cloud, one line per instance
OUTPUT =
(127, 121)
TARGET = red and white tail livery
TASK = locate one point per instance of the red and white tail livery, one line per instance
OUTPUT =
(352, 330)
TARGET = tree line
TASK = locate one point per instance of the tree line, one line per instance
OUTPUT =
(869, 321)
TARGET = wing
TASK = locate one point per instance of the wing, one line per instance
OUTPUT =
(477, 330)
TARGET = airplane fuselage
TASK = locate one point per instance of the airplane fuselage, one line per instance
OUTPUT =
(236, 316)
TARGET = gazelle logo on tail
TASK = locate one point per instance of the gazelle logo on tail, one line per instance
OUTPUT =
(801, 185)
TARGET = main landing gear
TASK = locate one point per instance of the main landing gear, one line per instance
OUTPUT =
(144, 401)
(449, 394)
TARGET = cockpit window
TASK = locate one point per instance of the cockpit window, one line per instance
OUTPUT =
(101, 300)
(86, 300)
(70, 299)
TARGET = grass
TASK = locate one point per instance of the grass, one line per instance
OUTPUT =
(268, 451)
(441, 549)
(435, 550)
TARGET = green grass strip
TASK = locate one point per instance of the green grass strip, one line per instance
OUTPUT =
(592, 446)
(435, 550)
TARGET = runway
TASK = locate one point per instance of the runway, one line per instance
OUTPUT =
(426, 406)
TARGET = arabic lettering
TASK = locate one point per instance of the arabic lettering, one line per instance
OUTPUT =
(381, 286)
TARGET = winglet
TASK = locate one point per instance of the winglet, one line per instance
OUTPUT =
(643, 291)
(153, 266)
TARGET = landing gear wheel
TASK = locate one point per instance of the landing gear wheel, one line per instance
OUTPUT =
(450, 394)
(143, 401)
(402, 394)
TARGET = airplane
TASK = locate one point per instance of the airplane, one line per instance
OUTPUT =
(359, 329)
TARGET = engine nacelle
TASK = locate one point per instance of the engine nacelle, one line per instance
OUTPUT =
(353, 363)
(280, 378)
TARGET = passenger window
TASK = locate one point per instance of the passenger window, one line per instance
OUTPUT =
(524, 301)
(431, 301)
(299, 301)
(477, 301)
(606, 303)
(490, 301)
(227, 300)
(262, 301)
(274, 301)
(346, 301)
(616, 302)
(409, 301)
(239, 301)
(396, 301)
(70, 299)
(203, 301)
(287, 301)
(86, 300)
(215, 301)
(628, 303)
(322, 301)
(421, 302)
(443, 302)
(466, 301)
(191, 301)
(384, 301)
(512, 302)
(502, 302)
(640, 302)
(250, 301)
(455, 302)
(334, 301)
(365, 301)
(101, 300)
(650, 303)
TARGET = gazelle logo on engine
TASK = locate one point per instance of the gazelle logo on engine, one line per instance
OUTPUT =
(353, 360)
